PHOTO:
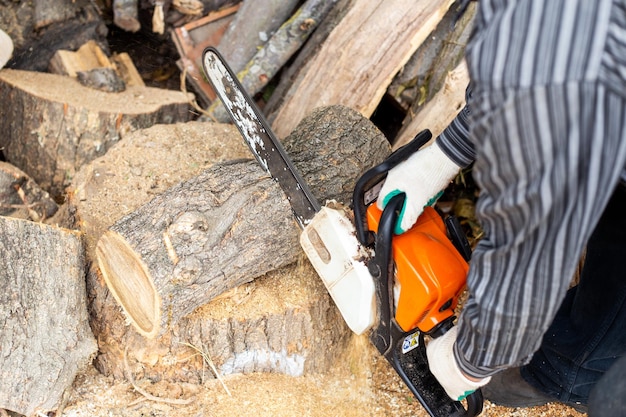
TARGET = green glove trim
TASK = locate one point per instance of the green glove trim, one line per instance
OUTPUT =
(465, 394)
(397, 230)
(434, 199)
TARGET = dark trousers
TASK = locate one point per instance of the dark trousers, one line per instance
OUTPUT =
(588, 334)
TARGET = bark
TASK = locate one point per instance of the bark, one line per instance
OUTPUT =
(253, 25)
(266, 63)
(359, 58)
(21, 197)
(44, 331)
(54, 125)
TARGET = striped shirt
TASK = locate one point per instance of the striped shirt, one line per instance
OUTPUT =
(545, 125)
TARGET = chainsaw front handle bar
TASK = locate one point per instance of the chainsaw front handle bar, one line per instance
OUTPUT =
(368, 186)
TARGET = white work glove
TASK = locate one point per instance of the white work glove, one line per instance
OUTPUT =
(422, 177)
(444, 367)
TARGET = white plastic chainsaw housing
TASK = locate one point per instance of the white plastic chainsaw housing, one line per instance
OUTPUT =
(330, 243)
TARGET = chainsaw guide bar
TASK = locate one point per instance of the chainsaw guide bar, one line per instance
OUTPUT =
(259, 137)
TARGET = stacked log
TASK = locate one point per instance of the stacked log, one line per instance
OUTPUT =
(45, 338)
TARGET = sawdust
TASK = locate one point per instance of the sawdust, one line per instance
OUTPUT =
(360, 384)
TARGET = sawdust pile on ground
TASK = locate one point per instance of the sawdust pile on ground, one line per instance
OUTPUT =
(361, 384)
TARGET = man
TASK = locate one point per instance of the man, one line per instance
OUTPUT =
(545, 126)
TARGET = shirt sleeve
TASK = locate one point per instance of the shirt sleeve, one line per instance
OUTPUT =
(454, 140)
(548, 129)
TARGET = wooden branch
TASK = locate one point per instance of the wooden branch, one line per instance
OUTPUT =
(359, 58)
(44, 331)
(64, 124)
(270, 58)
(254, 23)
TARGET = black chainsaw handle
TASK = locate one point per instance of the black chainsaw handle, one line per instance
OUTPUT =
(373, 177)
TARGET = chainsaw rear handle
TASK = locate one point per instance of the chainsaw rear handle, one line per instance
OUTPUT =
(387, 337)
(373, 177)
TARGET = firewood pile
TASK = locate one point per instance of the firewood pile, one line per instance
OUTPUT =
(135, 231)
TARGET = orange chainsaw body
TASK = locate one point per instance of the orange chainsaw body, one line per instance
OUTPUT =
(429, 270)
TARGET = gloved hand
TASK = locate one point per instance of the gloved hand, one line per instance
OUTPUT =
(422, 176)
(444, 367)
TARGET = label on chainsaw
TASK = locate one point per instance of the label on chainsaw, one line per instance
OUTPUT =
(411, 342)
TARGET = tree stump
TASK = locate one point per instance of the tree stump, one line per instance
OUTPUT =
(52, 124)
(285, 332)
(44, 330)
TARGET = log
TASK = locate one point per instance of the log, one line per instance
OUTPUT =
(270, 58)
(90, 56)
(359, 58)
(442, 51)
(228, 225)
(437, 64)
(439, 112)
(254, 24)
(21, 197)
(52, 11)
(289, 308)
(63, 125)
(192, 243)
(45, 338)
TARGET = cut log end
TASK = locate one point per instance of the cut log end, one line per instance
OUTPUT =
(129, 280)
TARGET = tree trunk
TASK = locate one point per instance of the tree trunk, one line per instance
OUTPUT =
(193, 242)
(53, 124)
(289, 318)
(44, 331)
(360, 57)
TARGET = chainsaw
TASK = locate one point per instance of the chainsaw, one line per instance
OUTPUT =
(399, 289)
